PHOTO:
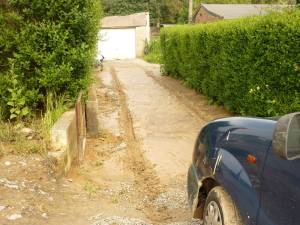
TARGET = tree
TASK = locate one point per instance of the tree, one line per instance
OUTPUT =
(155, 12)
(161, 11)
(166, 11)
(190, 11)
(124, 7)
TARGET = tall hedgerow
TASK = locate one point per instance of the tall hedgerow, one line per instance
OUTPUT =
(251, 65)
(45, 47)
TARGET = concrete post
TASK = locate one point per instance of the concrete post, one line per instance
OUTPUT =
(92, 122)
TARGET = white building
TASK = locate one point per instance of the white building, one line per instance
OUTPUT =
(124, 37)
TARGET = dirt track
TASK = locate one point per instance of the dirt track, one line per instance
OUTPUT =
(135, 173)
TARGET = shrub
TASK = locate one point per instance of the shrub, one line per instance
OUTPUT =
(45, 47)
(153, 51)
(250, 65)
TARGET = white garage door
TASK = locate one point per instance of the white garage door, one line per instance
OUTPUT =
(117, 44)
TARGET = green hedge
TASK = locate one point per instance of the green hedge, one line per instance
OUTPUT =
(45, 47)
(250, 65)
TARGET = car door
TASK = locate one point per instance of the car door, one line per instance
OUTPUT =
(280, 193)
(240, 175)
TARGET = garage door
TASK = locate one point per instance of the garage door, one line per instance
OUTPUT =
(117, 44)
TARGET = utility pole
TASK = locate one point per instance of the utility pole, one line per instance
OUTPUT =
(190, 11)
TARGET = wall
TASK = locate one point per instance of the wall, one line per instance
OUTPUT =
(92, 123)
(68, 134)
(140, 33)
(142, 36)
(64, 141)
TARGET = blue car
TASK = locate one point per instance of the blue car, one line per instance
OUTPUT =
(246, 171)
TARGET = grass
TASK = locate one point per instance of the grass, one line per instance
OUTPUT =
(153, 52)
(55, 107)
(12, 140)
(1, 150)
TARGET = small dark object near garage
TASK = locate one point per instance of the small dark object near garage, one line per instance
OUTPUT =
(99, 62)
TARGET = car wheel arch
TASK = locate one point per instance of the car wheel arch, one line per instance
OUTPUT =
(207, 184)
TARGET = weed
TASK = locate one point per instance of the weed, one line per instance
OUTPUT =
(7, 133)
(115, 199)
(39, 142)
(91, 188)
(99, 163)
(10, 134)
(16, 99)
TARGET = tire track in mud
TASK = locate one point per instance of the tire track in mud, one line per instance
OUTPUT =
(148, 183)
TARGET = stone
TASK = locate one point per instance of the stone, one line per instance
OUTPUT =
(14, 216)
(58, 155)
(63, 136)
(9, 184)
(97, 217)
(27, 131)
(23, 163)
(42, 192)
(60, 132)
(7, 163)
(121, 146)
(2, 207)
(44, 215)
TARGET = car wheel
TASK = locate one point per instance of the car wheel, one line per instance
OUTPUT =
(220, 209)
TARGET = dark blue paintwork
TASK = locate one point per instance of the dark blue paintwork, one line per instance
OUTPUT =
(267, 192)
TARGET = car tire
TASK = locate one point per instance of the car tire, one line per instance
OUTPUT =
(220, 209)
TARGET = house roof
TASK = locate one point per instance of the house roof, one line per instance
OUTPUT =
(134, 20)
(232, 11)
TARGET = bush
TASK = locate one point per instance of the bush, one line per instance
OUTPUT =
(153, 51)
(250, 65)
(45, 47)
